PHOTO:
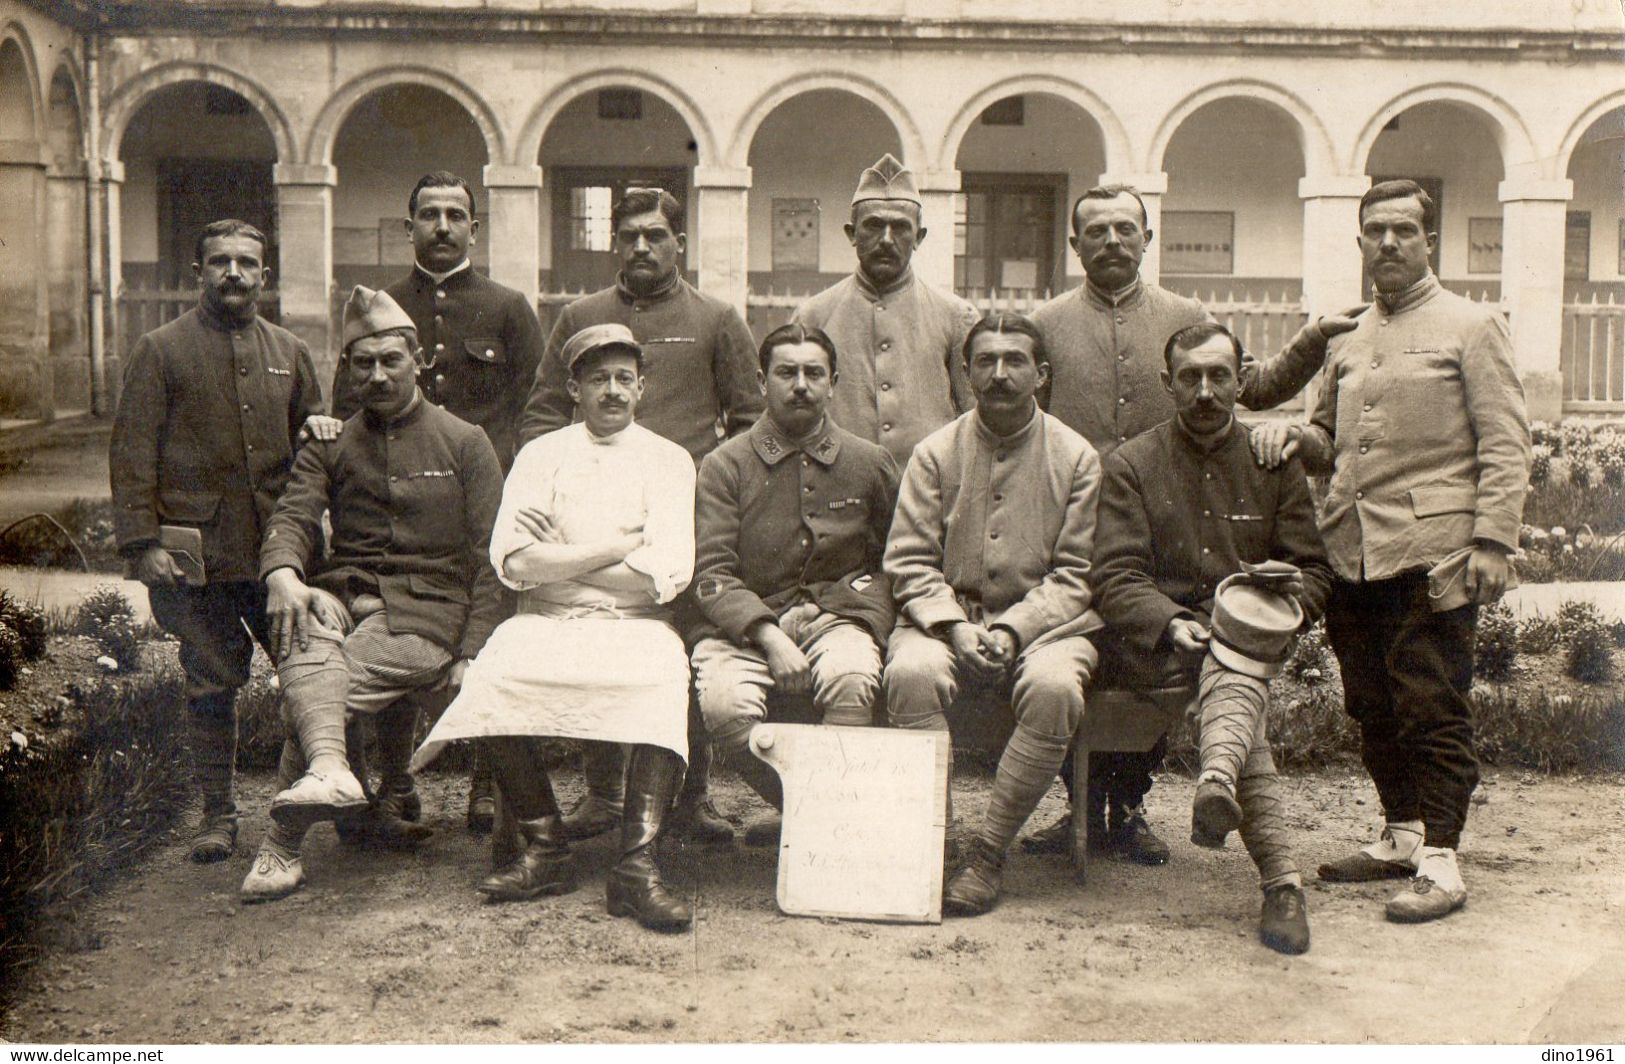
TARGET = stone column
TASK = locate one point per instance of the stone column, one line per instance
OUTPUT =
(25, 369)
(934, 259)
(721, 232)
(515, 226)
(113, 275)
(1151, 187)
(1331, 227)
(304, 206)
(1533, 223)
(65, 261)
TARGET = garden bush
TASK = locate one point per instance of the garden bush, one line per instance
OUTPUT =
(1590, 642)
(28, 621)
(1497, 651)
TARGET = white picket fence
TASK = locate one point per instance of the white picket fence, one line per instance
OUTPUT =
(1593, 354)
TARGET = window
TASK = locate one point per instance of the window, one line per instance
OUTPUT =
(589, 218)
(1577, 246)
(1010, 111)
(620, 105)
(1006, 233)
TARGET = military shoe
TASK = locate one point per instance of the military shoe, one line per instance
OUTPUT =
(317, 796)
(974, 889)
(271, 877)
(1215, 813)
(1436, 891)
(1283, 923)
(1133, 840)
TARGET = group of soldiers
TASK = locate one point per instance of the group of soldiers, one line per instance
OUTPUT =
(891, 501)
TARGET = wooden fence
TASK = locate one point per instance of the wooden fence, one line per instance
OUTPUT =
(1593, 355)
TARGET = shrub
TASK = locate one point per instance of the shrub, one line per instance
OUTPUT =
(1497, 650)
(1537, 635)
(105, 604)
(1590, 642)
(28, 621)
(1552, 733)
(11, 656)
(1309, 659)
(1540, 466)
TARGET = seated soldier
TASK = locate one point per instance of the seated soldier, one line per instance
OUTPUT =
(791, 524)
(1182, 507)
(402, 601)
(596, 533)
(989, 561)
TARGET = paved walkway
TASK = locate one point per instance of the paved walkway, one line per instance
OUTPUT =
(43, 467)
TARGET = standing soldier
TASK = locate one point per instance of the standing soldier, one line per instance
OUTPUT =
(900, 340)
(481, 343)
(202, 444)
(700, 363)
(1105, 341)
(1422, 428)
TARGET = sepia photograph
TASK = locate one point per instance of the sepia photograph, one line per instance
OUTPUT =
(774, 523)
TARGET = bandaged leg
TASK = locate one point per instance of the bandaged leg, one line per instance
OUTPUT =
(1232, 715)
(212, 735)
(1048, 702)
(1263, 820)
(315, 682)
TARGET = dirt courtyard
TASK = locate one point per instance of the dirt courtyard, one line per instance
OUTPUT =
(391, 947)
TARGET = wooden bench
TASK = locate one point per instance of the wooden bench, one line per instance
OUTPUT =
(1116, 720)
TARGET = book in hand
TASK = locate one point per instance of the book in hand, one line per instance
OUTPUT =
(185, 546)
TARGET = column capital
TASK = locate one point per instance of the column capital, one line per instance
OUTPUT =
(323, 174)
(1560, 190)
(1150, 183)
(937, 180)
(113, 171)
(72, 170)
(505, 175)
(722, 177)
(1333, 186)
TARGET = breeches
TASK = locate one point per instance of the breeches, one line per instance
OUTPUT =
(733, 681)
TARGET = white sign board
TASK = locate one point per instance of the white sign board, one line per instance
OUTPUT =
(864, 812)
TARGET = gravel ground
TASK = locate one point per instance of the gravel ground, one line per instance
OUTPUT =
(392, 947)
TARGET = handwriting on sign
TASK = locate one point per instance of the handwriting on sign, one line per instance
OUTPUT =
(864, 813)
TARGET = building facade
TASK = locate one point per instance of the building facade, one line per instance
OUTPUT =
(1251, 129)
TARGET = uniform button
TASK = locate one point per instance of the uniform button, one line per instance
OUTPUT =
(886, 427)
(440, 293)
(805, 462)
(1364, 448)
(1207, 476)
(1207, 513)
(1373, 363)
(885, 345)
(245, 406)
(393, 478)
(880, 306)
(810, 515)
(1359, 495)
(992, 535)
(1384, 322)
(440, 378)
(807, 489)
(1366, 407)
(997, 497)
(490, 353)
(1122, 358)
(438, 319)
(1121, 401)
(885, 386)
(1206, 551)
(243, 371)
(1122, 439)
(999, 457)
(251, 447)
(439, 347)
(1120, 321)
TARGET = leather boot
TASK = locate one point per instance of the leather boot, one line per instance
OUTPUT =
(764, 830)
(974, 889)
(545, 866)
(695, 818)
(482, 802)
(634, 888)
(603, 769)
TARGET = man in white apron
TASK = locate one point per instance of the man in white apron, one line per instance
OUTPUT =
(596, 533)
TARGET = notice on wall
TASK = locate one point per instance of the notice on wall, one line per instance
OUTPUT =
(795, 234)
(864, 812)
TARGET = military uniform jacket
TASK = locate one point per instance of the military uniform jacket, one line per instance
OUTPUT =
(699, 362)
(483, 342)
(901, 358)
(205, 433)
(997, 530)
(1422, 426)
(1176, 518)
(1105, 356)
(781, 524)
(412, 504)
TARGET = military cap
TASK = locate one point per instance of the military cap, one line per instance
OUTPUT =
(593, 337)
(370, 312)
(887, 179)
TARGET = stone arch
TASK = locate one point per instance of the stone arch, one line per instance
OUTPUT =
(1118, 152)
(1507, 126)
(324, 132)
(65, 103)
(1582, 125)
(29, 106)
(529, 145)
(914, 153)
(134, 94)
(1318, 154)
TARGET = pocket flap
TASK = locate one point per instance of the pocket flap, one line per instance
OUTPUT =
(489, 350)
(431, 587)
(191, 507)
(1443, 499)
